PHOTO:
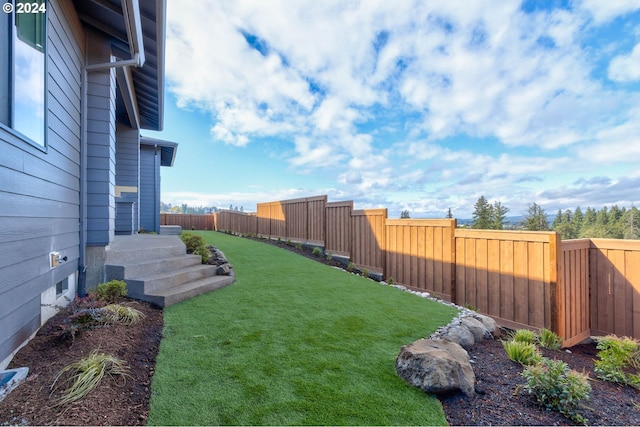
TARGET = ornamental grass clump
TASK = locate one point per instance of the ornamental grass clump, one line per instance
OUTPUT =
(557, 387)
(79, 378)
(123, 314)
(618, 357)
(522, 352)
(525, 336)
(550, 340)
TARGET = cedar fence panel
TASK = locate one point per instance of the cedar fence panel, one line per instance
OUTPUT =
(188, 221)
(238, 222)
(614, 267)
(368, 239)
(509, 275)
(338, 228)
(575, 280)
(420, 254)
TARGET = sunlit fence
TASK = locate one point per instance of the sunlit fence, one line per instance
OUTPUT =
(522, 279)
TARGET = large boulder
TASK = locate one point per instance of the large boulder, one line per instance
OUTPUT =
(436, 366)
(458, 334)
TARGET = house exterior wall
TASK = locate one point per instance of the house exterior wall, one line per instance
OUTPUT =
(127, 179)
(150, 188)
(101, 145)
(40, 193)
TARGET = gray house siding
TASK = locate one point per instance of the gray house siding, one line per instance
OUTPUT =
(101, 148)
(150, 188)
(127, 179)
(39, 193)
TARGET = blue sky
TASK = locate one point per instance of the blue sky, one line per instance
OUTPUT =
(411, 105)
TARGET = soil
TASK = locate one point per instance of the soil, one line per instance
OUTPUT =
(497, 380)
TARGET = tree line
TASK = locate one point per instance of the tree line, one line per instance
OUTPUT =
(193, 210)
(608, 222)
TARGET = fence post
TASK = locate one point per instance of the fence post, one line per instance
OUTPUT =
(556, 284)
(452, 291)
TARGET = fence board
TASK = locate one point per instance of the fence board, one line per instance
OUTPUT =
(368, 243)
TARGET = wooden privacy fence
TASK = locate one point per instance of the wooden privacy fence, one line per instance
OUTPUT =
(522, 279)
(188, 221)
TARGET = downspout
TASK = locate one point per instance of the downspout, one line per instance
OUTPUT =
(131, 13)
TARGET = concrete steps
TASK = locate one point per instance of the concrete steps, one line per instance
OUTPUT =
(157, 269)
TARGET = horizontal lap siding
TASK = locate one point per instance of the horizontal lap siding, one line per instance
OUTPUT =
(39, 193)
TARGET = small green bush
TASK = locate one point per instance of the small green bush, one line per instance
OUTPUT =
(111, 291)
(390, 281)
(557, 387)
(549, 339)
(364, 272)
(351, 267)
(298, 245)
(316, 251)
(329, 256)
(616, 356)
(522, 352)
(524, 335)
(196, 245)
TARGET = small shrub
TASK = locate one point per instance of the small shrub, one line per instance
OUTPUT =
(288, 242)
(196, 245)
(471, 307)
(522, 352)
(364, 272)
(329, 256)
(123, 314)
(390, 281)
(616, 357)
(316, 252)
(298, 245)
(85, 374)
(524, 335)
(351, 267)
(111, 291)
(550, 340)
(557, 387)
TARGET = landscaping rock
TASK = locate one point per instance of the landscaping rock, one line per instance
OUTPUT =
(223, 270)
(458, 334)
(436, 366)
(476, 327)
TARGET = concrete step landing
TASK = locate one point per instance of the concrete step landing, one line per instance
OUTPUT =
(157, 269)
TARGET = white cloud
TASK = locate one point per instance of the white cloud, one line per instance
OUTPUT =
(605, 11)
(626, 68)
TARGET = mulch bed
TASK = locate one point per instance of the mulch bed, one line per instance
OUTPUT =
(497, 380)
(112, 402)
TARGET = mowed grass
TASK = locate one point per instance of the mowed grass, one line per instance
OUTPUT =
(291, 342)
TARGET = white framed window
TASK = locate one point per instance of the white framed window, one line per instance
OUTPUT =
(23, 73)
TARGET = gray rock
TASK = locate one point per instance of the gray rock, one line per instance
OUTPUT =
(489, 324)
(459, 335)
(436, 366)
(476, 327)
(224, 270)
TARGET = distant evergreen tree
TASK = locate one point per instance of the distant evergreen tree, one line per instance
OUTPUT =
(449, 214)
(578, 218)
(499, 213)
(631, 223)
(536, 219)
(404, 214)
(482, 213)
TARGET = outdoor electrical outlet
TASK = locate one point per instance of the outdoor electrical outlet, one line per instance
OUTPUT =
(54, 259)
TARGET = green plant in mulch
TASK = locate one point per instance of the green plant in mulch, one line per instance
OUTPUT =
(522, 352)
(123, 314)
(390, 281)
(298, 245)
(78, 379)
(471, 307)
(329, 256)
(618, 357)
(364, 272)
(110, 291)
(557, 387)
(351, 267)
(316, 251)
(525, 336)
(196, 245)
(550, 340)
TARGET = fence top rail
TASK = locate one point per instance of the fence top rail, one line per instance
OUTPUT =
(369, 212)
(527, 236)
(299, 200)
(348, 204)
(620, 244)
(423, 222)
(575, 244)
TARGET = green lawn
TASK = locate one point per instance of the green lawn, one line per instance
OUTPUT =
(291, 342)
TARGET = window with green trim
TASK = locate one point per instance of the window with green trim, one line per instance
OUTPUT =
(23, 70)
